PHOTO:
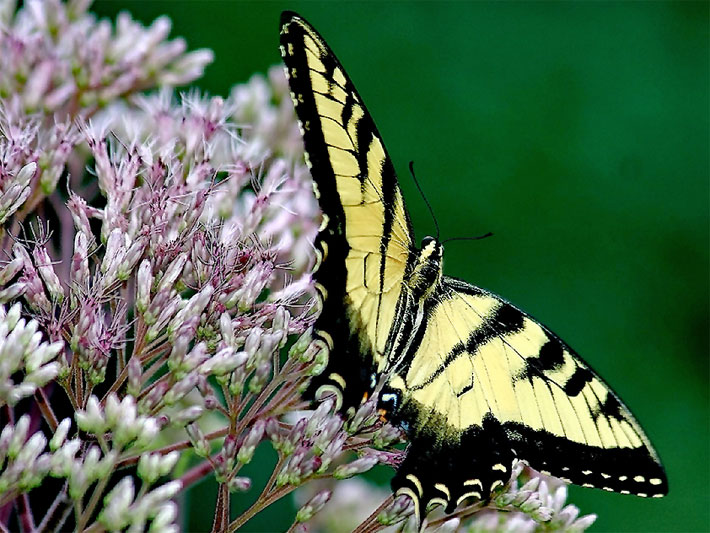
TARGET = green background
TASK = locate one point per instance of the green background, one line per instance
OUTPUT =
(578, 134)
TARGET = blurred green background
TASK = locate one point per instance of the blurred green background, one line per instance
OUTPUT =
(578, 134)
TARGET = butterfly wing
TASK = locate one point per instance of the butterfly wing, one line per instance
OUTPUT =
(486, 383)
(365, 241)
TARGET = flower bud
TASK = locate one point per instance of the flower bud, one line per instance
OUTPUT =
(229, 447)
(164, 519)
(187, 415)
(279, 325)
(253, 438)
(149, 429)
(46, 272)
(365, 416)
(333, 449)
(199, 443)
(227, 330)
(583, 523)
(12, 292)
(91, 419)
(135, 380)
(543, 514)
(291, 474)
(531, 505)
(566, 516)
(180, 389)
(294, 437)
(239, 484)
(260, 377)
(363, 464)
(144, 283)
(10, 270)
(131, 258)
(299, 347)
(505, 499)
(172, 273)
(223, 362)
(532, 484)
(274, 432)
(401, 507)
(326, 434)
(60, 434)
(313, 506)
(317, 352)
(115, 515)
(194, 307)
(521, 497)
(43, 375)
(386, 436)
(318, 417)
(152, 466)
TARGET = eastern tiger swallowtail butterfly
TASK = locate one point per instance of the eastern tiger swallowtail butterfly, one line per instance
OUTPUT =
(473, 381)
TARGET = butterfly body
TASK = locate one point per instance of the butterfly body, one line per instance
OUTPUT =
(472, 380)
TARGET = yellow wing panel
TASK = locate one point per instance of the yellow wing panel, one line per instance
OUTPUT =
(375, 221)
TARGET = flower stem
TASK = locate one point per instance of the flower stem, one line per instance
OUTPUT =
(221, 513)
(50, 514)
(93, 502)
(366, 526)
(196, 473)
(46, 409)
(259, 506)
(27, 522)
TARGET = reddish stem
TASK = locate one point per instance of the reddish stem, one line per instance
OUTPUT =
(24, 511)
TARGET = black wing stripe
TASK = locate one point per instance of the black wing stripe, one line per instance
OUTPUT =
(504, 320)
(578, 381)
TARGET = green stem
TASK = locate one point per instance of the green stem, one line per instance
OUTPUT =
(259, 506)
(50, 514)
(367, 524)
(93, 502)
(182, 445)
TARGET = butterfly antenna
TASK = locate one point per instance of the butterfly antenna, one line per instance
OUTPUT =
(416, 182)
(476, 238)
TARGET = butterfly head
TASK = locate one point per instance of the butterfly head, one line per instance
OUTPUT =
(432, 248)
(427, 272)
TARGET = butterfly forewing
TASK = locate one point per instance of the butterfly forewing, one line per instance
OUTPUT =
(366, 240)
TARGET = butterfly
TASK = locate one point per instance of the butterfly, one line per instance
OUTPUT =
(473, 381)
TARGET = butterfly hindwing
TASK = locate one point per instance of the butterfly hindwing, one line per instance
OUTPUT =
(365, 239)
(486, 383)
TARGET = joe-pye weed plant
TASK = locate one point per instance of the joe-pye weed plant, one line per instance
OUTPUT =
(156, 299)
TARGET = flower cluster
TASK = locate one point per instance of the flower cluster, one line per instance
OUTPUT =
(539, 501)
(529, 502)
(158, 304)
(57, 63)
(23, 354)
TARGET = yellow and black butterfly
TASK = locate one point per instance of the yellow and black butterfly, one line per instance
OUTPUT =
(472, 380)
